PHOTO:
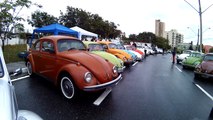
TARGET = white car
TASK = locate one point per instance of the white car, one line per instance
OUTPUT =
(9, 108)
(139, 56)
(183, 56)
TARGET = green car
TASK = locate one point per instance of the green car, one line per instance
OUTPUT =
(98, 49)
(192, 60)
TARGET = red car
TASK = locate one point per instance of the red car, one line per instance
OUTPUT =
(205, 68)
(65, 61)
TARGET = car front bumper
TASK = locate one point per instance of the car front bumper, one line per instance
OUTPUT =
(104, 85)
(205, 75)
(121, 69)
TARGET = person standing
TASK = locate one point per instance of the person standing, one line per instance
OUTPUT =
(134, 44)
(174, 54)
(145, 49)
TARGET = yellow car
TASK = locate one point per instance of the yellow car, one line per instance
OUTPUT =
(112, 48)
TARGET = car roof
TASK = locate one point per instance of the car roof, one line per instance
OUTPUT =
(105, 42)
(58, 37)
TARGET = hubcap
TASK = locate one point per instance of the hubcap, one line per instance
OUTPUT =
(67, 87)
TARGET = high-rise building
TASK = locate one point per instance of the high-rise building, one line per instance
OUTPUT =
(174, 38)
(160, 29)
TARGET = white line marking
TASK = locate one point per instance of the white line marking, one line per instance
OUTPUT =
(135, 63)
(204, 92)
(17, 79)
(178, 68)
(102, 96)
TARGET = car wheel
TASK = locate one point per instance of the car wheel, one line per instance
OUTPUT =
(29, 68)
(178, 61)
(196, 75)
(68, 88)
(184, 66)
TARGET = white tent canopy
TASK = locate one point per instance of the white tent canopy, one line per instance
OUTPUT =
(83, 32)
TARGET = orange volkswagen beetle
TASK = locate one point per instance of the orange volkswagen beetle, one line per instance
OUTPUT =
(112, 48)
(65, 61)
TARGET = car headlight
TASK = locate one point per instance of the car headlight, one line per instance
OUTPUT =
(114, 69)
(88, 77)
(124, 58)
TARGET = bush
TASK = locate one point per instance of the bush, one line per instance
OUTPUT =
(11, 52)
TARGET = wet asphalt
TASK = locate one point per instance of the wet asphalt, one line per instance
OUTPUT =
(154, 89)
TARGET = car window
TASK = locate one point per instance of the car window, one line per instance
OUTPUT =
(47, 46)
(195, 55)
(36, 45)
(68, 44)
(95, 47)
(208, 58)
(112, 46)
(119, 46)
(1, 69)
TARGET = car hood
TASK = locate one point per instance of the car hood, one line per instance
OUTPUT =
(110, 57)
(131, 53)
(98, 66)
(115, 51)
(182, 56)
(207, 65)
(192, 60)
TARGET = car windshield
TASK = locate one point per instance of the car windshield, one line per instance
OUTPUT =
(186, 52)
(112, 46)
(128, 47)
(68, 44)
(119, 46)
(208, 58)
(95, 47)
(1, 69)
(195, 55)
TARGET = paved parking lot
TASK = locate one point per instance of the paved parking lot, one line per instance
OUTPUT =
(152, 89)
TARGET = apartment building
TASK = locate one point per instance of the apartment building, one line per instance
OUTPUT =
(160, 29)
(174, 37)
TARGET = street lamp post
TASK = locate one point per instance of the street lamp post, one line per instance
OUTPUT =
(197, 46)
(200, 16)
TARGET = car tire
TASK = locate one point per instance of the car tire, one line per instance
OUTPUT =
(29, 69)
(196, 75)
(67, 87)
(184, 67)
(178, 61)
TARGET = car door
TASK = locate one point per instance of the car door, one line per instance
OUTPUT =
(47, 61)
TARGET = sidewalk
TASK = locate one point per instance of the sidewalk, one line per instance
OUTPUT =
(13, 66)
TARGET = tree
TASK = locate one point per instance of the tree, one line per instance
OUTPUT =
(10, 19)
(162, 43)
(40, 19)
(90, 22)
(147, 37)
(132, 37)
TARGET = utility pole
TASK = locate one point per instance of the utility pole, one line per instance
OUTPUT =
(201, 30)
(200, 12)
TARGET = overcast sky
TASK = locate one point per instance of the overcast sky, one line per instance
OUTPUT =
(137, 16)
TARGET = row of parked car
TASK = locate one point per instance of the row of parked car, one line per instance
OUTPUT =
(74, 65)
(201, 63)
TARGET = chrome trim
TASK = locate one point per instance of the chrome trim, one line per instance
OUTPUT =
(86, 75)
(104, 85)
(204, 74)
(120, 70)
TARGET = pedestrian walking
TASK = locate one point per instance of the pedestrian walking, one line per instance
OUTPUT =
(134, 44)
(145, 50)
(174, 54)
